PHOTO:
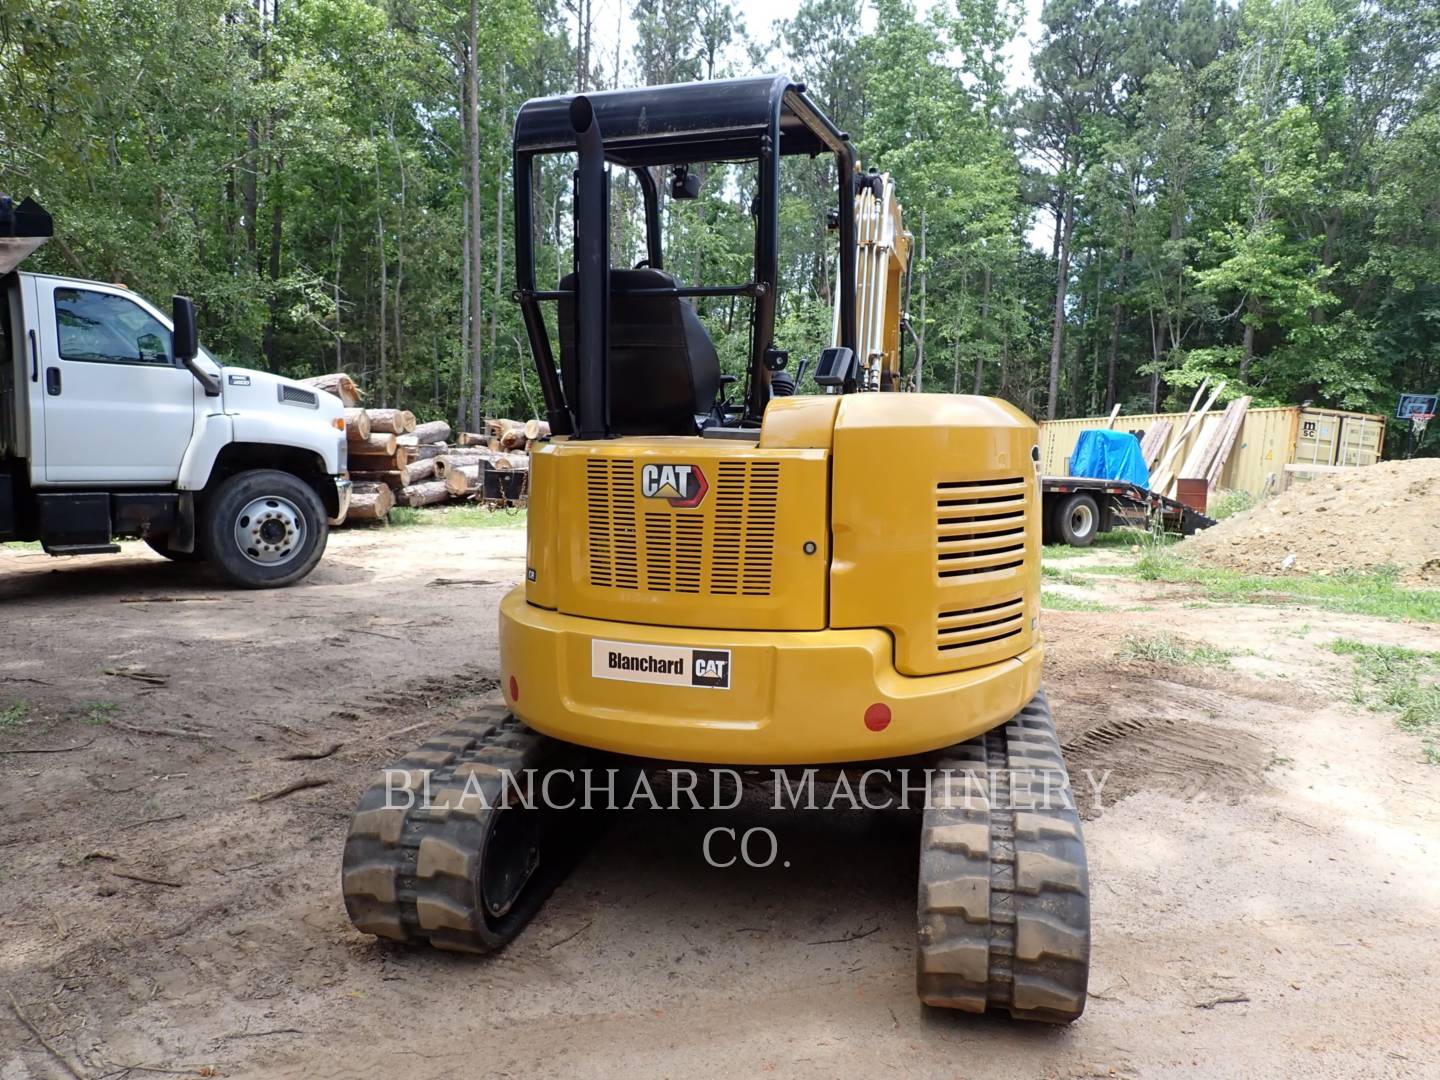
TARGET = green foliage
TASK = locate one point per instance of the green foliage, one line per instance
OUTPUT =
(1377, 594)
(1166, 648)
(455, 517)
(1243, 192)
(13, 715)
(1053, 601)
(1226, 504)
(97, 713)
(1399, 680)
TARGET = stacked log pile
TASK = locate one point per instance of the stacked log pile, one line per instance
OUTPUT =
(395, 461)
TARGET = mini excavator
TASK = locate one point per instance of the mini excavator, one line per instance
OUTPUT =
(751, 583)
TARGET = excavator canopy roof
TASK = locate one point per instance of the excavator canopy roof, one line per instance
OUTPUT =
(687, 122)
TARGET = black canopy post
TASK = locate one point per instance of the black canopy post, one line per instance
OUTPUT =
(557, 410)
(767, 259)
(849, 335)
(592, 274)
(653, 252)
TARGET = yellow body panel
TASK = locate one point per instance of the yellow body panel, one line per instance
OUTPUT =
(936, 524)
(871, 549)
(742, 557)
(794, 697)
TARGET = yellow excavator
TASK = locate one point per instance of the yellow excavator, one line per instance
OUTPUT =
(790, 580)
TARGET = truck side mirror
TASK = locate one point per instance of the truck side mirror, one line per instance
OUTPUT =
(186, 343)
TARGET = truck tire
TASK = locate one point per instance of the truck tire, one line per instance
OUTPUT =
(263, 528)
(1076, 520)
(161, 546)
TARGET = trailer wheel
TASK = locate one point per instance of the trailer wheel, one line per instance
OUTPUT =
(263, 529)
(161, 546)
(1076, 520)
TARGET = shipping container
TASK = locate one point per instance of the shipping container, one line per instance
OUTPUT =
(1269, 440)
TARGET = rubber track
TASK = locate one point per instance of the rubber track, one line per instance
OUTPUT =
(413, 874)
(1004, 905)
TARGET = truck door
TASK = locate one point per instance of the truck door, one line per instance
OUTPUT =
(117, 407)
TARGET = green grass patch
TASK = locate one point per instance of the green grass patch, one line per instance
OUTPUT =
(1228, 503)
(1169, 649)
(1353, 593)
(22, 545)
(1061, 577)
(13, 715)
(1053, 601)
(1113, 540)
(457, 517)
(99, 711)
(1403, 681)
(1128, 537)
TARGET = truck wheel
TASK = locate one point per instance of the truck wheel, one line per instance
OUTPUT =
(1077, 520)
(263, 528)
(161, 546)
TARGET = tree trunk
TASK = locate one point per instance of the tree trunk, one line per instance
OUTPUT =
(1062, 282)
(392, 421)
(339, 338)
(424, 494)
(463, 479)
(275, 192)
(414, 473)
(436, 431)
(1248, 355)
(498, 295)
(920, 339)
(369, 502)
(376, 445)
(357, 425)
(384, 285)
(984, 334)
(477, 357)
(1154, 364)
(1112, 389)
(447, 462)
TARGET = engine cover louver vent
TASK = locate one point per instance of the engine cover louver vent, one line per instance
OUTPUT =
(980, 542)
(725, 547)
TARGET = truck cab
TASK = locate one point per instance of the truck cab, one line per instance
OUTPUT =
(115, 423)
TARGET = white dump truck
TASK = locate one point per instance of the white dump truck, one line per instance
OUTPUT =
(114, 423)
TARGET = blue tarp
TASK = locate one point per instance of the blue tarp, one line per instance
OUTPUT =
(1110, 455)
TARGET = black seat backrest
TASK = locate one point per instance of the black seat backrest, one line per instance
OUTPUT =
(664, 370)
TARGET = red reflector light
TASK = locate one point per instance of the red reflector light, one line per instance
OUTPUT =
(877, 717)
(514, 689)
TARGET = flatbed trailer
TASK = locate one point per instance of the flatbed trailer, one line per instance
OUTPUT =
(1077, 508)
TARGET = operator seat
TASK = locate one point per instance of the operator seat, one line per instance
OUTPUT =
(664, 370)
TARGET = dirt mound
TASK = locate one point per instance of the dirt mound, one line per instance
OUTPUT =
(1361, 519)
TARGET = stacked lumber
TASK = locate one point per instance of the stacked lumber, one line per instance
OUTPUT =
(1207, 460)
(1163, 477)
(395, 461)
(1154, 442)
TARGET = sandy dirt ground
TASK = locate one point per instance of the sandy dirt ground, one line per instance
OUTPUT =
(1266, 901)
